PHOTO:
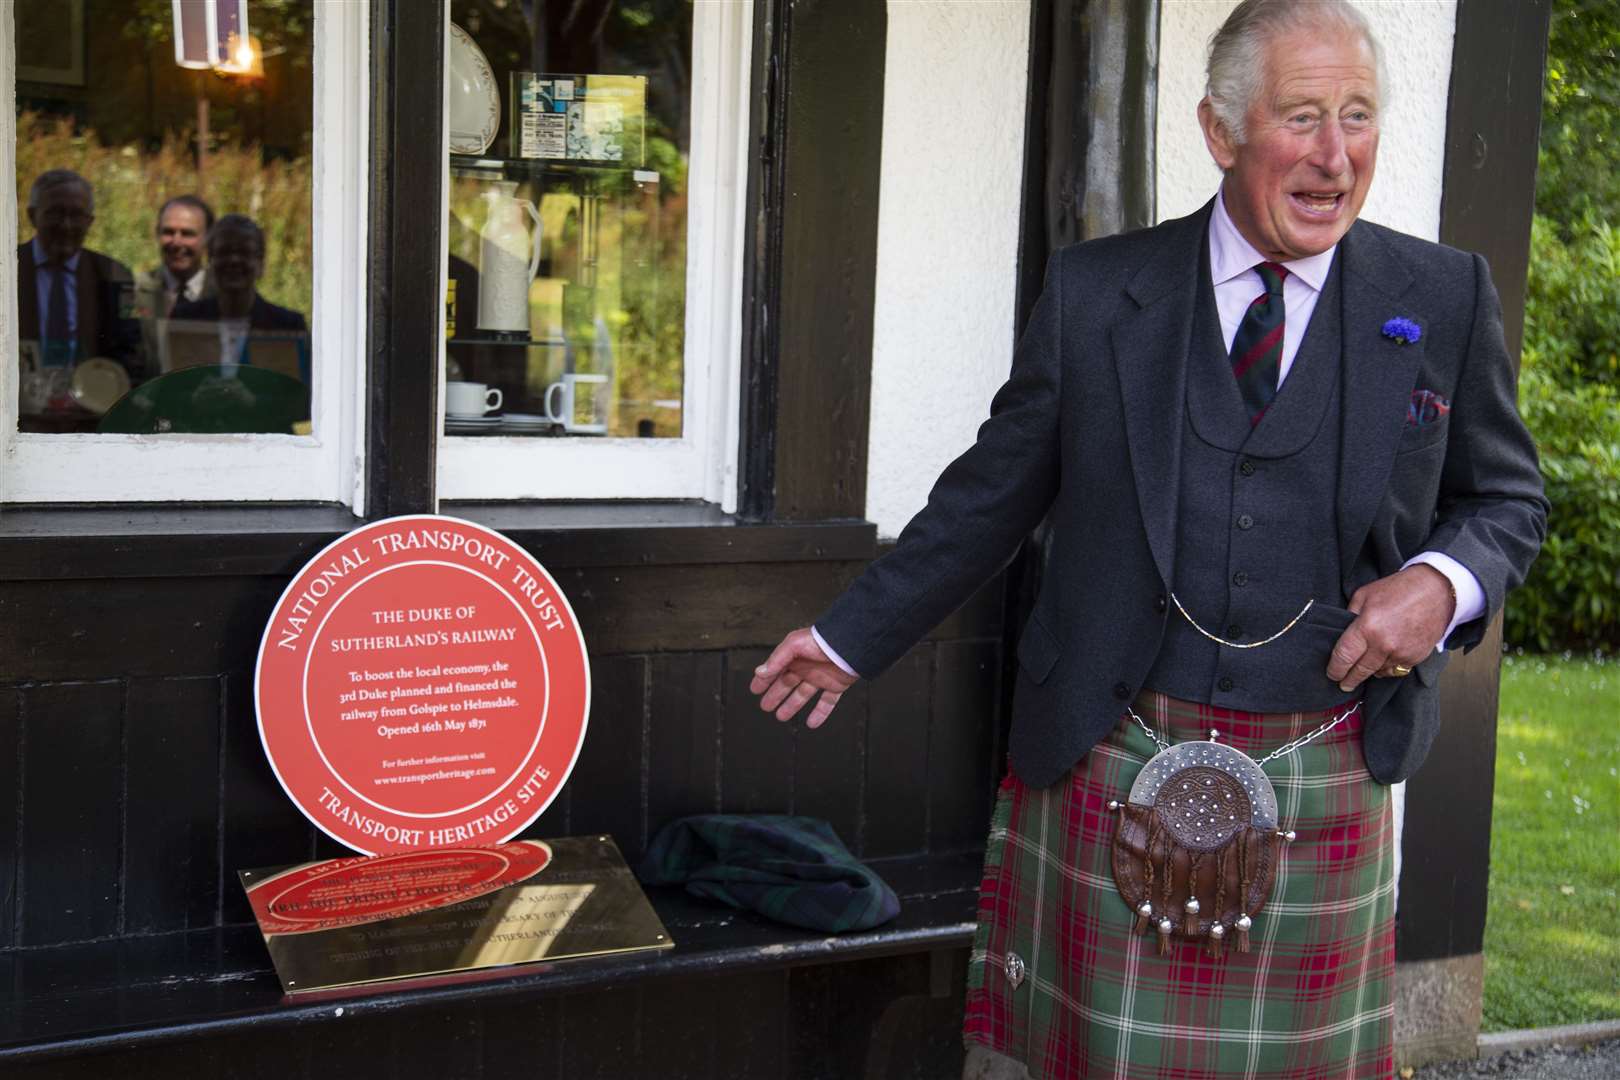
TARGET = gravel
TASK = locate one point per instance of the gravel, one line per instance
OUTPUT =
(1595, 1061)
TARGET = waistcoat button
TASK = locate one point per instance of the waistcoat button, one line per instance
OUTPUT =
(1240, 579)
(1246, 467)
(1121, 691)
(1159, 603)
(1245, 521)
(1225, 684)
(1234, 631)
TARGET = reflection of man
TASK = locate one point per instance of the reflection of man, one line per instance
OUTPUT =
(236, 324)
(182, 224)
(74, 301)
(1213, 416)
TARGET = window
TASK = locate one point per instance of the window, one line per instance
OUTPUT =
(158, 356)
(595, 211)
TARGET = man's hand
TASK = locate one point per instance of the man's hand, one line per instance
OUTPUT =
(1399, 620)
(796, 670)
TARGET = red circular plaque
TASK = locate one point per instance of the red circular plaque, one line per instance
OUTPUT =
(422, 683)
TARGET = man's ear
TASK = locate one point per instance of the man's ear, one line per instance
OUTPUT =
(1222, 147)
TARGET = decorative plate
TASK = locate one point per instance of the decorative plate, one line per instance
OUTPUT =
(475, 104)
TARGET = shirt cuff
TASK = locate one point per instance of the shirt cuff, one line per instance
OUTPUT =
(833, 656)
(1470, 593)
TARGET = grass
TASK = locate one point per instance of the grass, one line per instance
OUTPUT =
(1552, 937)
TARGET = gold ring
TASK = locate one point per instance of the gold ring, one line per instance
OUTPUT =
(1400, 670)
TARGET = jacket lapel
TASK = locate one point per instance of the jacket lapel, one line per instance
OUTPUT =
(1377, 375)
(1150, 354)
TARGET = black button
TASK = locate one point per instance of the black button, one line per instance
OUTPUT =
(1234, 631)
(1246, 467)
(1121, 691)
(1245, 521)
(1159, 602)
(1240, 579)
(1225, 684)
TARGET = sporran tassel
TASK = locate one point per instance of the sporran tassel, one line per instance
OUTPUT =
(1189, 925)
(1165, 926)
(1243, 924)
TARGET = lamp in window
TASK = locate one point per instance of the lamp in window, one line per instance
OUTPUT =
(208, 34)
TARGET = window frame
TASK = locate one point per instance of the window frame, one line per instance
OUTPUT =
(326, 466)
(702, 462)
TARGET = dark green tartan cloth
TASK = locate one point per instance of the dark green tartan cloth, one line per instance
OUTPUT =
(791, 869)
(1312, 1000)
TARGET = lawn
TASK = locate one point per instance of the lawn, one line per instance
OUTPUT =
(1552, 939)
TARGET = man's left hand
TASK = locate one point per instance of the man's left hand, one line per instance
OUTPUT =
(1399, 620)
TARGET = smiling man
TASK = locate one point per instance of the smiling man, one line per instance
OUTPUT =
(1279, 456)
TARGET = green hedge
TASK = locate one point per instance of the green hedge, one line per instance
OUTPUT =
(1567, 393)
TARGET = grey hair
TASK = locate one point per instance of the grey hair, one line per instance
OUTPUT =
(1237, 52)
(51, 179)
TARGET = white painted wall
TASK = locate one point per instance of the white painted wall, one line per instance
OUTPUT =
(953, 146)
(1416, 37)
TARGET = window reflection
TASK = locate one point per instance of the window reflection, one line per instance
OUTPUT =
(164, 206)
(569, 131)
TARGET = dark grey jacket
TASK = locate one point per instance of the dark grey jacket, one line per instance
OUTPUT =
(1088, 429)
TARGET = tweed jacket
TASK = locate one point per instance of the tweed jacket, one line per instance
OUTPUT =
(1087, 431)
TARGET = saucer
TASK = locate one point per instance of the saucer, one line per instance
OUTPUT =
(470, 418)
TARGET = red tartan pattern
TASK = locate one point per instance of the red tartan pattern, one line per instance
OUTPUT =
(1312, 1000)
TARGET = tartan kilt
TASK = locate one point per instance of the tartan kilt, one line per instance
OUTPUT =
(1312, 1000)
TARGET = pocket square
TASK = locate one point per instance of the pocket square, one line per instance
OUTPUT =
(1426, 407)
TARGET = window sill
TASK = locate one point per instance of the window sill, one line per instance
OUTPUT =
(52, 543)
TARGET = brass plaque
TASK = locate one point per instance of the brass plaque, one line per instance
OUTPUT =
(449, 914)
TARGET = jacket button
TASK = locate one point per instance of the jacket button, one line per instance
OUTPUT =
(1245, 521)
(1159, 603)
(1121, 691)
(1246, 467)
(1240, 579)
(1234, 630)
(1225, 684)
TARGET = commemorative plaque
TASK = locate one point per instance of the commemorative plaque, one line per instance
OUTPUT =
(422, 692)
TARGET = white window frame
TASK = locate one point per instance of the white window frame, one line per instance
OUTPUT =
(326, 466)
(702, 463)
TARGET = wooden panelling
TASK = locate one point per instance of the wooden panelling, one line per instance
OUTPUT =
(961, 773)
(262, 827)
(71, 844)
(756, 756)
(829, 772)
(12, 749)
(683, 729)
(607, 781)
(171, 818)
(896, 748)
(60, 631)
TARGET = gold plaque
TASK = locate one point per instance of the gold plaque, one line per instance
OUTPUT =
(448, 914)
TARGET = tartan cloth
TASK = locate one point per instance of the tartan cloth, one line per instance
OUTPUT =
(791, 869)
(1312, 1000)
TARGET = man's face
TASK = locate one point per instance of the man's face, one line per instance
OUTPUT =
(1298, 182)
(180, 239)
(61, 219)
(236, 258)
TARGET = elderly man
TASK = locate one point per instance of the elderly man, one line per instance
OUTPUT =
(1279, 453)
(77, 303)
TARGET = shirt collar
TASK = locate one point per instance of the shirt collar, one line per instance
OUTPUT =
(41, 259)
(1230, 254)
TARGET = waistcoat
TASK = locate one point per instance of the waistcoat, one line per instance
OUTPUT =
(1256, 526)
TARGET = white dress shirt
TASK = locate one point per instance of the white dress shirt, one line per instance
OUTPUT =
(1232, 260)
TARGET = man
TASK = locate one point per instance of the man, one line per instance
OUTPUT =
(75, 302)
(1279, 453)
(182, 224)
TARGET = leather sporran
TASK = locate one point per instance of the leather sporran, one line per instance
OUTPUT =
(1196, 847)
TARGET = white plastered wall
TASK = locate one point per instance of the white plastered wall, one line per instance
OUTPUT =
(948, 211)
(1416, 38)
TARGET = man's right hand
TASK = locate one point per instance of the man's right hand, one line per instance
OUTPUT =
(797, 670)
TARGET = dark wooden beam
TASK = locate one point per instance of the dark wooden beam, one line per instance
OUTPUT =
(405, 271)
(1493, 124)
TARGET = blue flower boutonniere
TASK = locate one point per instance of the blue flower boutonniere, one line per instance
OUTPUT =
(1402, 330)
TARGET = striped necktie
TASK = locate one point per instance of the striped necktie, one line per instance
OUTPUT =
(1257, 349)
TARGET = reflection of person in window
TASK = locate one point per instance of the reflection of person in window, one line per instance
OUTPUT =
(250, 329)
(74, 301)
(182, 224)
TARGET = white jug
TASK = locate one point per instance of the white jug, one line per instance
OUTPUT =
(508, 259)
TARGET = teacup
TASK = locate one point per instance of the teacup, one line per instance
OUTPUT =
(468, 399)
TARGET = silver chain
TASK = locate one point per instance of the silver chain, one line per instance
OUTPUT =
(1281, 751)
(1232, 644)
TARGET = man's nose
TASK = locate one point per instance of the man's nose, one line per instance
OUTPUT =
(1328, 154)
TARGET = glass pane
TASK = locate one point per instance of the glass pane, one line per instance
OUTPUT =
(566, 292)
(163, 204)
